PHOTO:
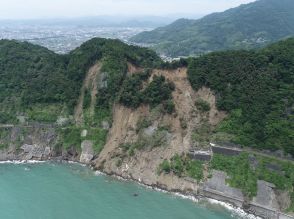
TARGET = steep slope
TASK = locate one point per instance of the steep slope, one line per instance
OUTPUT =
(257, 88)
(163, 135)
(144, 119)
(74, 91)
(247, 26)
(88, 96)
(34, 79)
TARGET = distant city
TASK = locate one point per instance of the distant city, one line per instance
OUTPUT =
(64, 35)
(63, 39)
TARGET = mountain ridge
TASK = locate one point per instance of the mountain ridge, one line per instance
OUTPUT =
(248, 26)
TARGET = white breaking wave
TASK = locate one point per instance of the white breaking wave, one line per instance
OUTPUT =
(240, 213)
(74, 162)
(99, 173)
(235, 210)
(22, 162)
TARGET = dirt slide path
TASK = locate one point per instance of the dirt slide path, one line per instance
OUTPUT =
(90, 83)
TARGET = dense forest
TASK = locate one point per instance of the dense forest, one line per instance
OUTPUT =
(253, 25)
(257, 88)
(32, 75)
(254, 87)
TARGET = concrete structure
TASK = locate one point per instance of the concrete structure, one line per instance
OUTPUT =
(200, 155)
(228, 151)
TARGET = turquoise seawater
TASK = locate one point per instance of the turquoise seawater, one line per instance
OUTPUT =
(71, 191)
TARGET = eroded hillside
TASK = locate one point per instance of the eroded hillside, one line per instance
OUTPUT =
(163, 135)
(199, 126)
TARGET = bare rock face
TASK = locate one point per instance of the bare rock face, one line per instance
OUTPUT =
(105, 125)
(87, 152)
(62, 121)
(102, 80)
(284, 199)
(33, 151)
(26, 142)
(265, 195)
(47, 151)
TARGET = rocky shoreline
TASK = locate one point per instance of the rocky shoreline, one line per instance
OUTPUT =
(253, 211)
(156, 187)
(39, 143)
(186, 195)
(230, 203)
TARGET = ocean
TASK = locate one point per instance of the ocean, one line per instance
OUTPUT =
(72, 191)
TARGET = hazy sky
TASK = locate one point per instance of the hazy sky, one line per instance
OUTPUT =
(19, 9)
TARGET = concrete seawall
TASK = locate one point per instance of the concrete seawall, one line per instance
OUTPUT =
(263, 205)
(257, 210)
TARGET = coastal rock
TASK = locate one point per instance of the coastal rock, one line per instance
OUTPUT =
(47, 151)
(33, 151)
(87, 152)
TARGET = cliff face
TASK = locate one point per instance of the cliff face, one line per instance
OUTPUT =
(33, 142)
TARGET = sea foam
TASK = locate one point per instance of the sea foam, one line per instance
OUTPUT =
(22, 162)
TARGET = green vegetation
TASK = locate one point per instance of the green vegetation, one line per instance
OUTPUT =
(202, 134)
(98, 136)
(3, 133)
(71, 137)
(143, 124)
(147, 139)
(291, 208)
(202, 105)
(247, 26)
(131, 94)
(101, 115)
(3, 146)
(87, 99)
(32, 75)
(239, 171)
(7, 117)
(44, 112)
(182, 166)
(158, 91)
(128, 148)
(43, 85)
(257, 89)
(158, 139)
(164, 167)
(115, 68)
(244, 174)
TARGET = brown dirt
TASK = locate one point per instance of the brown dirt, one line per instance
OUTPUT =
(89, 83)
(132, 69)
(143, 165)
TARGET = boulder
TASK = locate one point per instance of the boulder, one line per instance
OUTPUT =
(87, 152)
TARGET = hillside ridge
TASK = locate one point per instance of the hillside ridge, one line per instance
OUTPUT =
(248, 26)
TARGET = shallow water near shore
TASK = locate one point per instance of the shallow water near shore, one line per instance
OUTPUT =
(71, 191)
